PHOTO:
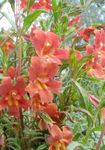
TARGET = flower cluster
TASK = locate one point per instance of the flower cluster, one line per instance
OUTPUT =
(96, 49)
(12, 96)
(7, 46)
(37, 94)
(42, 84)
(41, 4)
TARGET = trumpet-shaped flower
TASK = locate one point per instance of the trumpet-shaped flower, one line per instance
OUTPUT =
(86, 33)
(42, 4)
(99, 41)
(51, 110)
(74, 21)
(13, 72)
(42, 80)
(47, 46)
(7, 46)
(23, 4)
(12, 95)
(58, 138)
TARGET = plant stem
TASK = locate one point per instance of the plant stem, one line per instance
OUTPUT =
(19, 55)
(101, 136)
(18, 26)
(21, 120)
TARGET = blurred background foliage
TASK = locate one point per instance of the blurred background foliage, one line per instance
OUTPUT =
(92, 11)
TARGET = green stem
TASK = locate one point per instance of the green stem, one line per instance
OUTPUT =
(90, 129)
(19, 54)
(101, 136)
(18, 26)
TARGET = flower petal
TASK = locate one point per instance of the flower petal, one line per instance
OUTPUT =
(14, 111)
(20, 85)
(55, 132)
(67, 135)
(46, 96)
(36, 68)
(5, 86)
(38, 39)
(54, 86)
(62, 54)
(3, 104)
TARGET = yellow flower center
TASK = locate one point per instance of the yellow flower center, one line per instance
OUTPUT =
(41, 86)
(13, 99)
(60, 146)
(48, 44)
(44, 2)
(36, 103)
(13, 102)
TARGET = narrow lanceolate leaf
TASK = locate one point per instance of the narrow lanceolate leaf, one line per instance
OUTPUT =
(30, 3)
(102, 103)
(75, 145)
(46, 117)
(56, 9)
(42, 147)
(83, 94)
(30, 18)
(84, 111)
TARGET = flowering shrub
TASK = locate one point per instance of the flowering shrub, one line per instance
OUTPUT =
(46, 76)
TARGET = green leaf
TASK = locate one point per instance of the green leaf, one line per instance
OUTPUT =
(42, 147)
(82, 2)
(102, 104)
(74, 145)
(56, 9)
(46, 117)
(84, 111)
(30, 3)
(84, 60)
(30, 18)
(83, 94)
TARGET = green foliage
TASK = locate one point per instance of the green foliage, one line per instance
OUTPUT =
(30, 18)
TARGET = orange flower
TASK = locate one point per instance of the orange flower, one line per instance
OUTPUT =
(51, 110)
(23, 4)
(47, 46)
(78, 55)
(96, 70)
(12, 96)
(58, 138)
(36, 104)
(12, 72)
(86, 33)
(100, 39)
(42, 4)
(7, 46)
(42, 80)
(97, 63)
(74, 21)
